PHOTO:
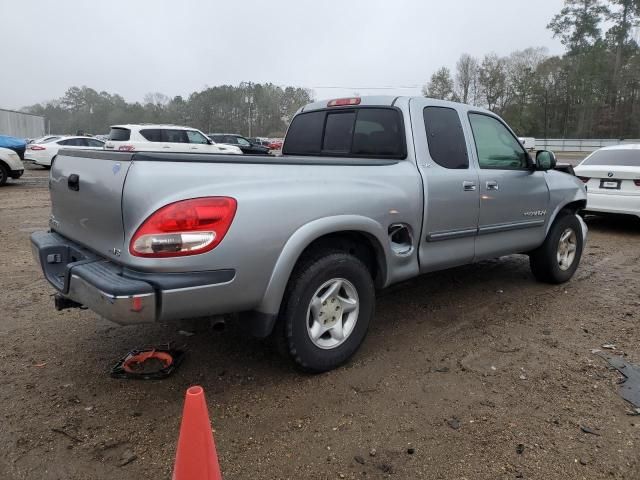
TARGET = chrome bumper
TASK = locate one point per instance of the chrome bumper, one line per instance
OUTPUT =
(125, 296)
(123, 309)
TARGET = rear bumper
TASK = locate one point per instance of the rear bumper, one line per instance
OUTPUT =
(15, 174)
(119, 294)
(612, 203)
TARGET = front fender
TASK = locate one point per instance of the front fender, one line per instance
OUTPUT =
(564, 189)
(302, 238)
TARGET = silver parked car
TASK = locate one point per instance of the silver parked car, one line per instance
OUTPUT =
(369, 192)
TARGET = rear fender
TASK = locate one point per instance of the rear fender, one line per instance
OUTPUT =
(302, 238)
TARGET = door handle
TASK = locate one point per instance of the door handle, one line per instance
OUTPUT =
(469, 186)
(166, 146)
(492, 185)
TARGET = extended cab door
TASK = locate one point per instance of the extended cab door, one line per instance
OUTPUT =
(513, 197)
(450, 181)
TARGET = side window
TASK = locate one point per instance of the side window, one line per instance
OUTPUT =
(338, 132)
(73, 142)
(445, 137)
(175, 136)
(497, 148)
(196, 137)
(152, 134)
(230, 139)
(94, 143)
(243, 141)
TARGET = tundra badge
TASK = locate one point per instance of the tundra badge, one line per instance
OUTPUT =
(535, 213)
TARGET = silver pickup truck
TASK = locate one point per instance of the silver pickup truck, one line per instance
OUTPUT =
(368, 192)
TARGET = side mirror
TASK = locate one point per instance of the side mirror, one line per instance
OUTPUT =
(545, 160)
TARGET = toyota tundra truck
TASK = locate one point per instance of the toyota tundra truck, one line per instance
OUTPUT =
(368, 192)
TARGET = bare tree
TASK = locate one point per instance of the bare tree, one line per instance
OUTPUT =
(466, 78)
(492, 78)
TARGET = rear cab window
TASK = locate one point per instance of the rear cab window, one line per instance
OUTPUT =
(351, 132)
(445, 137)
(119, 134)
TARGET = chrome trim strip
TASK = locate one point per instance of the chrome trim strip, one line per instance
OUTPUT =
(505, 227)
(439, 236)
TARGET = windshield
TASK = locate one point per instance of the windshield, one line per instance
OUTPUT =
(622, 158)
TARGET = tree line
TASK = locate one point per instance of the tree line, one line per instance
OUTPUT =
(264, 108)
(591, 91)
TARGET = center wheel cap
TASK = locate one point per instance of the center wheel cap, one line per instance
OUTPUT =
(331, 312)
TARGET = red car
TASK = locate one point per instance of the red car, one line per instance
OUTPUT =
(275, 144)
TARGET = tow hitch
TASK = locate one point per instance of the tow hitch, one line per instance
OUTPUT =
(62, 303)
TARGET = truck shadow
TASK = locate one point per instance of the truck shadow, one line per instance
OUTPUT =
(613, 223)
(432, 303)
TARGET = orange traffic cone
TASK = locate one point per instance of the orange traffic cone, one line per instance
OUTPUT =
(196, 457)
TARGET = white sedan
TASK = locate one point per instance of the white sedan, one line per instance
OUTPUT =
(612, 178)
(45, 152)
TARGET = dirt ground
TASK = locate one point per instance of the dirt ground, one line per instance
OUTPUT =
(473, 373)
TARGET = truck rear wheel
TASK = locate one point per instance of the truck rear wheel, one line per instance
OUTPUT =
(326, 311)
(557, 259)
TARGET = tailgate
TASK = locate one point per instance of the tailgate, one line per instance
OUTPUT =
(86, 198)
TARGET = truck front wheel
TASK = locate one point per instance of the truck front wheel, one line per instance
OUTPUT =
(557, 259)
(326, 312)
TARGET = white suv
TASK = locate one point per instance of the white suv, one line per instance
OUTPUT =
(163, 138)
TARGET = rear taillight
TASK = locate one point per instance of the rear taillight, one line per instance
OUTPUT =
(340, 102)
(188, 227)
(36, 147)
(584, 179)
(126, 148)
(637, 182)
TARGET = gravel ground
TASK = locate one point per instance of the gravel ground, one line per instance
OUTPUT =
(473, 373)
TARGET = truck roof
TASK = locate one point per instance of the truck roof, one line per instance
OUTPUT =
(387, 101)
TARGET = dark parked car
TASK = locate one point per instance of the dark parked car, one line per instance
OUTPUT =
(239, 141)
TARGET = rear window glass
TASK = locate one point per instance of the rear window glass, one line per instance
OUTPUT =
(445, 137)
(378, 133)
(119, 134)
(338, 131)
(304, 136)
(622, 158)
(373, 132)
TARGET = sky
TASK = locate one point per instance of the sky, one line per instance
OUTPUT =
(133, 47)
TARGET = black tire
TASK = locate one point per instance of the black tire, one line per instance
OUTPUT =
(544, 260)
(4, 174)
(309, 275)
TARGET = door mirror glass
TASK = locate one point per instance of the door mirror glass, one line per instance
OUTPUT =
(545, 160)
